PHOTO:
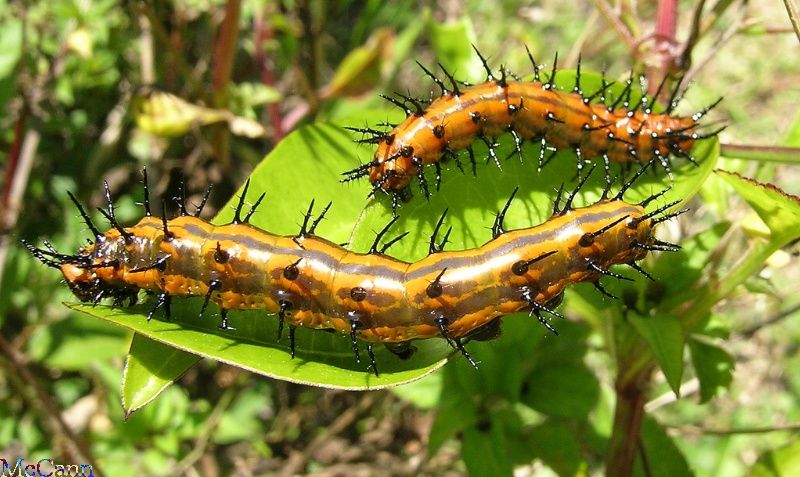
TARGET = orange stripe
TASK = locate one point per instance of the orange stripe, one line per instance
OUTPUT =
(391, 300)
(561, 117)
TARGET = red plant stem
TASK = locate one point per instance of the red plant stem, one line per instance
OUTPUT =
(624, 444)
(664, 36)
(262, 33)
(666, 21)
(224, 53)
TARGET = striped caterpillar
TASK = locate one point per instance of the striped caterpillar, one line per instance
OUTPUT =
(311, 282)
(529, 111)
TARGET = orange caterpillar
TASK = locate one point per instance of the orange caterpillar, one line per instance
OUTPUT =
(529, 111)
(310, 282)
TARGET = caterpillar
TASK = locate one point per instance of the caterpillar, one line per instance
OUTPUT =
(534, 111)
(308, 281)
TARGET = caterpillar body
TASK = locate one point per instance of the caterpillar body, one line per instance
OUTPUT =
(311, 282)
(534, 111)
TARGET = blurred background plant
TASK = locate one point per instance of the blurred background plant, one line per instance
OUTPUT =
(203, 89)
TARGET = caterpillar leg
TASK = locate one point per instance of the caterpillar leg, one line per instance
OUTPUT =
(224, 323)
(455, 343)
(372, 364)
(163, 300)
(353, 340)
(291, 340)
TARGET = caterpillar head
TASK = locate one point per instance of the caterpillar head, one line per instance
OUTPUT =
(80, 272)
(389, 175)
(82, 282)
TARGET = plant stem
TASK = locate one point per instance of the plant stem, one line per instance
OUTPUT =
(607, 11)
(789, 155)
(628, 416)
(162, 37)
(794, 16)
(224, 54)
(664, 47)
(262, 33)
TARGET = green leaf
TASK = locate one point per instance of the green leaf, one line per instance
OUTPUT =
(150, 367)
(562, 391)
(423, 393)
(779, 211)
(484, 450)
(714, 367)
(781, 462)
(679, 273)
(250, 95)
(407, 37)
(63, 345)
(663, 456)
(322, 359)
(457, 411)
(664, 335)
(362, 69)
(497, 375)
(557, 443)
(241, 421)
(10, 46)
(167, 115)
(792, 137)
(452, 42)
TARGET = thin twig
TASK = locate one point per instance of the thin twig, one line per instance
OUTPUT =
(664, 48)
(696, 430)
(687, 389)
(297, 461)
(780, 316)
(694, 36)
(611, 17)
(723, 40)
(586, 32)
(163, 39)
(794, 17)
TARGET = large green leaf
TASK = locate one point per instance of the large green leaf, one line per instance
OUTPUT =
(322, 358)
(307, 165)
